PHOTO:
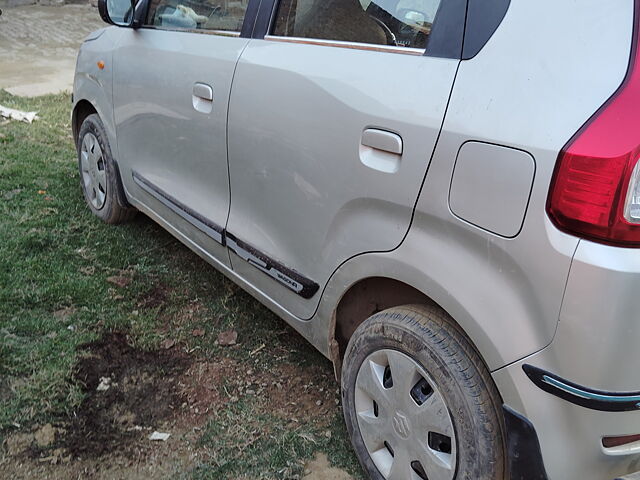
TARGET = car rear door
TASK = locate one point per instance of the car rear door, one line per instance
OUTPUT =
(172, 80)
(331, 131)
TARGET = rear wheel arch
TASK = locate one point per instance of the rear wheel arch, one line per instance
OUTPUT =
(374, 294)
(363, 299)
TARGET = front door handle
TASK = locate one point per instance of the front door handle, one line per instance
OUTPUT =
(381, 150)
(202, 97)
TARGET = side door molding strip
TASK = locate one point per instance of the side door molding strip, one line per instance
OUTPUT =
(284, 275)
(212, 229)
(291, 279)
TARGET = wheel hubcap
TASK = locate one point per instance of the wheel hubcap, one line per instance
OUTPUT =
(93, 168)
(403, 419)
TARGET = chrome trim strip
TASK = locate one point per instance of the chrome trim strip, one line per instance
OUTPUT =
(212, 229)
(586, 394)
(352, 45)
(204, 31)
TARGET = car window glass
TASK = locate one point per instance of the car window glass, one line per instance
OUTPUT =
(197, 14)
(402, 23)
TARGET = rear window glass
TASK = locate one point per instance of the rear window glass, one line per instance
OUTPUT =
(401, 23)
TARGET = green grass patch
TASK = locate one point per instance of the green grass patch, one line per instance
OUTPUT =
(55, 259)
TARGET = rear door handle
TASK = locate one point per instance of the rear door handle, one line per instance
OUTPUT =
(382, 140)
(381, 150)
(202, 97)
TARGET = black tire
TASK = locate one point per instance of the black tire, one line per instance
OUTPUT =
(434, 341)
(115, 208)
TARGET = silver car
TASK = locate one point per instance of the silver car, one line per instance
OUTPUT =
(443, 196)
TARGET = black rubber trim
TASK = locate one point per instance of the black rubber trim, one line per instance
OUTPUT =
(447, 33)
(250, 18)
(483, 19)
(523, 448)
(266, 12)
(291, 279)
(586, 397)
(212, 229)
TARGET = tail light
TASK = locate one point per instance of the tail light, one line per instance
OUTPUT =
(595, 191)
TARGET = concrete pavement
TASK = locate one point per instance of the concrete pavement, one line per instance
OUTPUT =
(38, 46)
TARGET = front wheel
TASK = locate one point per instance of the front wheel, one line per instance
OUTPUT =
(99, 176)
(418, 401)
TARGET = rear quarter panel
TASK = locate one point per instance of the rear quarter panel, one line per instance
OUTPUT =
(546, 70)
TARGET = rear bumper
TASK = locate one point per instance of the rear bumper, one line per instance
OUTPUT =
(586, 384)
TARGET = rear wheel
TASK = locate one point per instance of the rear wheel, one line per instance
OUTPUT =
(418, 400)
(99, 176)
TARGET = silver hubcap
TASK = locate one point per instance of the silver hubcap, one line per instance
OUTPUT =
(94, 175)
(403, 419)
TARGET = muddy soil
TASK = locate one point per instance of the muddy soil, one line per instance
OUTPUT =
(128, 392)
(131, 393)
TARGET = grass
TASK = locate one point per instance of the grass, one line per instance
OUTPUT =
(55, 258)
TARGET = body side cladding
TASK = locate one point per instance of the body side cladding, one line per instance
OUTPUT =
(523, 448)
(586, 397)
(291, 279)
(205, 225)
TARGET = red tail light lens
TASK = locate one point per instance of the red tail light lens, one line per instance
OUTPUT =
(595, 192)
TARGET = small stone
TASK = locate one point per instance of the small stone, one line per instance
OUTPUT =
(198, 332)
(11, 193)
(45, 436)
(88, 270)
(64, 313)
(230, 337)
(119, 280)
(104, 385)
(159, 436)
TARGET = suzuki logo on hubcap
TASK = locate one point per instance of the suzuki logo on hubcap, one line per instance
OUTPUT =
(401, 425)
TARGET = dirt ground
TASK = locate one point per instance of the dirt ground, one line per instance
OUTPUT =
(39, 45)
(132, 394)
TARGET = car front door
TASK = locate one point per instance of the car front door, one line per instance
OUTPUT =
(334, 116)
(172, 80)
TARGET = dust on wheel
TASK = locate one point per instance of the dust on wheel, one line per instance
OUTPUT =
(419, 402)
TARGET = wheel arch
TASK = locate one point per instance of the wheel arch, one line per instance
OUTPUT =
(82, 109)
(378, 281)
(366, 297)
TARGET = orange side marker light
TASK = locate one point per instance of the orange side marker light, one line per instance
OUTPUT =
(101, 65)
